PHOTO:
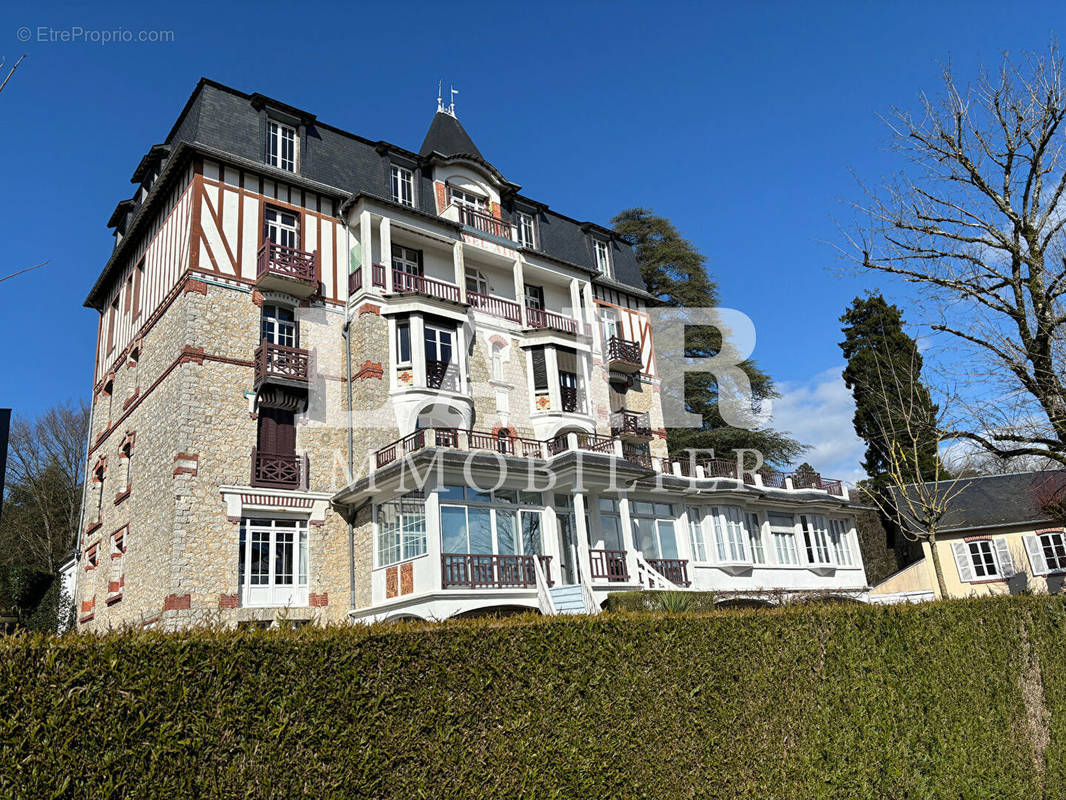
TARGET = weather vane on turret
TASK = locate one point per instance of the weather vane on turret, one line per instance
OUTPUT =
(450, 110)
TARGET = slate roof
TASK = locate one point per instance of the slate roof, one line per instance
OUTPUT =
(447, 136)
(224, 119)
(999, 500)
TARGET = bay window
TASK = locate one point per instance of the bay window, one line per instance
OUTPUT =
(758, 553)
(610, 526)
(815, 538)
(783, 533)
(653, 529)
(838, 538)
(272, 562)
(500, 522)
(695, 533)
(401, 529)
(729, 535)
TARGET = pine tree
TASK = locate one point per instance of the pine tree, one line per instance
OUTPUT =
(673, 271)
(893, 407)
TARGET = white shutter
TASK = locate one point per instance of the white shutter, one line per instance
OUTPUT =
(1003, 557)
(962, 560)
(1035, 550)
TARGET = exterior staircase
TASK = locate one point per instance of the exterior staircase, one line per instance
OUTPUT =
(568, 599)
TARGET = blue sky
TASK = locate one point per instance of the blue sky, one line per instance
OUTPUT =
(741, 122)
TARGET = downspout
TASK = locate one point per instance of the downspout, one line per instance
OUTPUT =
(351, 443)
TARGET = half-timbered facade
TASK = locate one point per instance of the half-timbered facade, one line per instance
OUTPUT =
(340, 379)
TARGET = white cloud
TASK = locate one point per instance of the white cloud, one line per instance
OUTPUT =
(819, 412)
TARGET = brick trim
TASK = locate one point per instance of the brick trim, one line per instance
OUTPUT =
(193, 286)
(257, 298)
(186, 464)
(369, 308)
(227, 601)
(177, 602)
(122, 495)
(370, 369)
(318, 600)
(129, 400)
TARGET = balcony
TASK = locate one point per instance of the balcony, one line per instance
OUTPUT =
(674, 570)
(286, 269)
(570, 399)
(491, 571)
(279, 470)
(458, 439)
(631, 425)
(608, 565)
(496, 306)
(624, 355)
(407, 283)
(485, 223)
(275, 363)
(438, 376)
(540, 319)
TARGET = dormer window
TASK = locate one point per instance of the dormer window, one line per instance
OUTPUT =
(403, 186)
(526, 235)
(603, 257)
(467, 199)
(281, 146)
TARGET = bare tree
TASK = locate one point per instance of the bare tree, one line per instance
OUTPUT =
(10, 72)
(45, 461)
(975, 221)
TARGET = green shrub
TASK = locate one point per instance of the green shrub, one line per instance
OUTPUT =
(964, 699)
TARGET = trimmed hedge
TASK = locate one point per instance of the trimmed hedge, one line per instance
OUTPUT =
(963, 699)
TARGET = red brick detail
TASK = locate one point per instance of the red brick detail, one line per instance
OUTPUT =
(92, 527)
(191, 355)
(495, 210)
(227, 601)
(391, 575)
(660, 433)
(407, 578)
(87, 605)
(506, 429)
(131, 398)
(114, 586)
(257, 298)
(442, 196)
(234, 520)
(177, 602)
(318, 600)
(318, 523)
(127, 441)
(370, 369)
(193, 285)
(184, 468)
(497, 339)
(369, 308)
(134, 355)
(113, 598)
(108, 385)
(122, 495)
(101, 465)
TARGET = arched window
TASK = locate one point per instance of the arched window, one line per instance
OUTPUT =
(497, 361)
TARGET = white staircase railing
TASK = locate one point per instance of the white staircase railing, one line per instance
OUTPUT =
(544, 596)
(651, 578)
(591, 606)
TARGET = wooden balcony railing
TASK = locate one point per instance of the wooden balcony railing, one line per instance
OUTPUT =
(570, 399)
(377, 275)
(279, 361)
(608, 565)
(539, 318)
(806, 480)
(491, 570)
(631, 423)
(637, 457)
(772, 478)
(834, 487)
(438, 376)
(719, 468)
(407, 283)
(673, 569)
(287, 262)
(497, 306)
(279, 470)
(486, 223)
(355, 280)
(623, 351)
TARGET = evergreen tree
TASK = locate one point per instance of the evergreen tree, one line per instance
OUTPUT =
(893, 407)
(673, 271)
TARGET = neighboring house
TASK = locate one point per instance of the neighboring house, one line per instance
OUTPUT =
(996, 539)
(314, 348)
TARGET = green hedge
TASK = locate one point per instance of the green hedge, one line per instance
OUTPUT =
(964, 699)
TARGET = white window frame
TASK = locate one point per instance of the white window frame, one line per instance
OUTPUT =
(477, 282)
(840, 542)
(271, 593)
(467, 199)
(1046, 551)
(603, 257)
(815, 530)
(526, 504)
(409, 539)
(695, 533)
(730, 535)
(994, 554)
(277, 330)
(527, 233)
(755, 540)
(497, 361)
(282, 226)
(662, 524)
(404, 325)
(403, 186)
(405, 259)
(278, 135)
(786, 548)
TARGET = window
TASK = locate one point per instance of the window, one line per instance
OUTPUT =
(401, 529)
(439, 344)
(500, 522)
(282, 227)
(1047, 551)
(535, 297)
(406, 259)
(497, 361)
(729, 535)
(603, 257)
(815, 538)
(139, 277)
(90, 557)
(610, 527)
(653, 529)
(281, 146)
(272, 562)
(526, 237)
(112, 315)
(571, 388)
(279, 325)
(983, 559)
(477, 282)
(695, 532)
(467, 199)
(758, 554)
(612, 326)
(403, 186)
(838, 538)
(403, 343)
(116, 577)
(783, 532)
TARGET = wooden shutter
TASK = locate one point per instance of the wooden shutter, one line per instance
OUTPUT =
(1035, 551)
(962, 561)
(277, 431)
(137, 290)
(540, 369)
(1003, 557)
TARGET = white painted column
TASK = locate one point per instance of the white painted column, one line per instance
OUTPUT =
(366, 243)
(582, 534)
(520, 290)
(591, 317)
(418, 349)
(551, 364)
(575, 302)
(386, 251)
(550, 544)
(684, 541)
(460, 270)
(433, 536)
(628, 542)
